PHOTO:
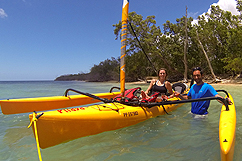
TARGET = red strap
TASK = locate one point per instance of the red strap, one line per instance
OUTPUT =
(152, 98)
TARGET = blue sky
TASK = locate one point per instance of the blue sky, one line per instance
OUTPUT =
(43, 39)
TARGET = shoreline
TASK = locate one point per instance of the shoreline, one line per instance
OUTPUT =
(209, 81)
(221, 82)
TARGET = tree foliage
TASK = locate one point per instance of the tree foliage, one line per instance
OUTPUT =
(219, 32)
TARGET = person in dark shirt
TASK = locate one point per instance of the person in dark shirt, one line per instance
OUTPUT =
(158, 85)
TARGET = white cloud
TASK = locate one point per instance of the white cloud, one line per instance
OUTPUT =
(226, 5)
(2, 13)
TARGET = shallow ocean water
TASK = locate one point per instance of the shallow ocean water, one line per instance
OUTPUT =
(179, 136)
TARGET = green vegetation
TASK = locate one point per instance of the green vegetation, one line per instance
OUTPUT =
(217, 35)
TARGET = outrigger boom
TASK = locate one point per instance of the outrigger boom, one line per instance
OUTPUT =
(151, 104)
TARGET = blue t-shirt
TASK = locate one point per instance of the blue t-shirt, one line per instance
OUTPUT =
(200, 91)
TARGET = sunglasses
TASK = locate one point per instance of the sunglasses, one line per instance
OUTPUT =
(197, 68)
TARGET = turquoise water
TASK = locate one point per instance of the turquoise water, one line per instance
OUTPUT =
(179, 136)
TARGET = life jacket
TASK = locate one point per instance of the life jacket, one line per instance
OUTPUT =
(129, 95)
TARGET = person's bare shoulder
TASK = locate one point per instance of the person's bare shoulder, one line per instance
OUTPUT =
(153, 81)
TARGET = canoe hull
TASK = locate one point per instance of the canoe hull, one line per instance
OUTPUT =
(227, 130)
(55, 127)
(24, 105)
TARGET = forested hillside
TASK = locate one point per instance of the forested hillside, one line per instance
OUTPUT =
(213, 43)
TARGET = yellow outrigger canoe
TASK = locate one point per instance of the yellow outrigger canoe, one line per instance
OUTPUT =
(65, 124)
(55, 127)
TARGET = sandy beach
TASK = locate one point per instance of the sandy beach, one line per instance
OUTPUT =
(237, 82)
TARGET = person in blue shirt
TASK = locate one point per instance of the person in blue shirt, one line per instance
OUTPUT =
(200, 90)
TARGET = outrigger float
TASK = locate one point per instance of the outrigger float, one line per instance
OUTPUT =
(70, 121)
